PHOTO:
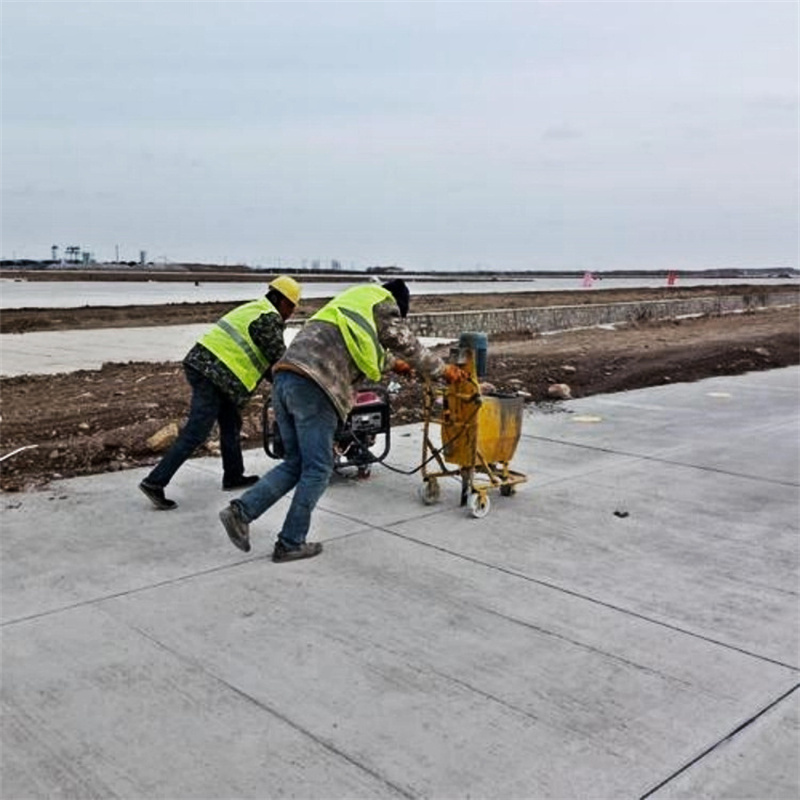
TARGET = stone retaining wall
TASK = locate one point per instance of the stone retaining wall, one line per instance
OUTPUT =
(541, 319)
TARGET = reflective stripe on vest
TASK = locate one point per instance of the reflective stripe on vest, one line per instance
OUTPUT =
(229, 340)
(351, 312)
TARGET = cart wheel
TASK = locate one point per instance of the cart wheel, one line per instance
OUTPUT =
(479, 505)
(507, 490)
(429, 492)
(364, 471)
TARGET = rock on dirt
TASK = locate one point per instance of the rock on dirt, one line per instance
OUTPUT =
(559, 391)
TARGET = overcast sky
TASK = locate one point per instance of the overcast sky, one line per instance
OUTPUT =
(444, 135)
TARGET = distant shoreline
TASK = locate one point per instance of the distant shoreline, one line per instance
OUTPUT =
(196, 272)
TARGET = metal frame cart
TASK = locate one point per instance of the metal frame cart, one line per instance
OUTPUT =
(479, 434)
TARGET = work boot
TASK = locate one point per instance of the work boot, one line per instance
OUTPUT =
(239, 483)
(306, 550)
(155, 494)
(237, 529)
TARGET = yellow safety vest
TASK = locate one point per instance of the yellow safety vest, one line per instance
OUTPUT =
(229, 340)
(351, 312)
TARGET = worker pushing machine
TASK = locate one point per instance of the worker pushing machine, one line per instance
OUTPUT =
(224, 368)
(361, 333)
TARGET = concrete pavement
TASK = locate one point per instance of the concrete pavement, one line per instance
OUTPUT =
(626, 625)
(52, 352)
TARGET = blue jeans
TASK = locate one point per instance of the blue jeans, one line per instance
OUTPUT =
(307, 422)
(209, 405)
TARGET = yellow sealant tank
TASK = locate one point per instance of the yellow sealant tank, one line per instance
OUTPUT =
(478, 427)
(499, 426)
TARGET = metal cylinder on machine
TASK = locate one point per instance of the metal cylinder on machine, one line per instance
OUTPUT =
(478, 342)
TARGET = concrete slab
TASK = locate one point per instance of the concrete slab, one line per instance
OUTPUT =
(53, 352)
(553, 649)
(759, 761)
(98, 709)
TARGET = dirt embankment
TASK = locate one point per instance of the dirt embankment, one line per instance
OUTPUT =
(25, 320)
(99, 420)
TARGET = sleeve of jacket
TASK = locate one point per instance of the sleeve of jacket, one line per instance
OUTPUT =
(397, 337)
(267, 335)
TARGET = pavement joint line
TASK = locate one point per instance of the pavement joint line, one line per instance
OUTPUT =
(405, 537)
(583, 645)
(372, 527)
(778, 589)
(672, 462)
(90, 601)
(579, 595)
(172, 581)
(590, 599)
(222, 567)
(428, 669)
(325, 744)
(749, 721)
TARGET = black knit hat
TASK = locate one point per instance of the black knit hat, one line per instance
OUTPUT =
(400, 293)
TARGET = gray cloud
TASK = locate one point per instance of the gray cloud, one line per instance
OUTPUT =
(428, 134)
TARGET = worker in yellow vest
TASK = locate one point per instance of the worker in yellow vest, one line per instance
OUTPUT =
(223, 369)
(361, 333)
